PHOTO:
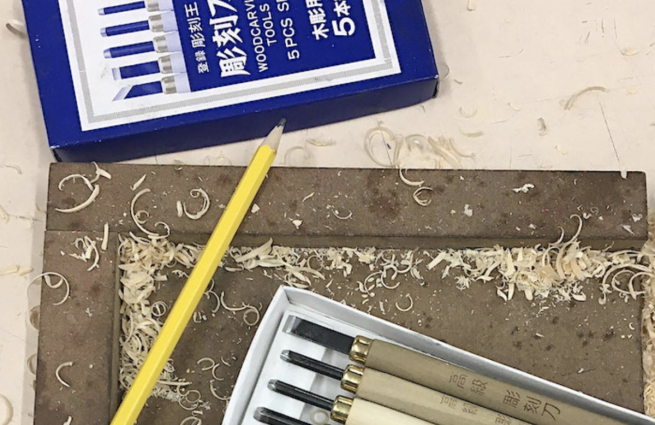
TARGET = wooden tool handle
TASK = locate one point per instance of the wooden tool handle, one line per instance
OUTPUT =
(364, 412)
(424, 403)
(473, 387)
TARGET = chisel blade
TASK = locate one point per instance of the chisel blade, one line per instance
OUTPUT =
(319, 334)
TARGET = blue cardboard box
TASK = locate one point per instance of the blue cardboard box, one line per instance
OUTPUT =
(121, 79)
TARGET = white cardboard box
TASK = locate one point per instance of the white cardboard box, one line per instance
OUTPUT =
(263, 361)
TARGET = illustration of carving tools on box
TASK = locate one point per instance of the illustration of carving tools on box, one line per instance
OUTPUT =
(162, 22)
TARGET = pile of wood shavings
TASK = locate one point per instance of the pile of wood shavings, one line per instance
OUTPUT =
(142, 262)
(557, 272)
(648, 324)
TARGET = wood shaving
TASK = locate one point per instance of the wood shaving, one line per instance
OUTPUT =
(543, 128)
(629, 51)
(138, 183)
(180, 209)
(95, 191)
(62, 281)
(468, 113)
(471, 134)
(3, 215)
(196, 193)
(31, 364)
(59, 368)
(8, 410)
(306, 157)
(191, 420)
(209, 360)
(409, 182)
(7, 270)
(100, 173)
(321, 143)
(411, 304)
(13, 167)
(524, 189)
(628, 228)
(391, 145)
(311, 195)
(296, 223)
(16, 27)
(418, 200)
(637, 217)
(105, 237)
(468, 211)
(35, 314)
(89, 251)
(569, 103)
(255, 209)
(69, 421)
(139, 224)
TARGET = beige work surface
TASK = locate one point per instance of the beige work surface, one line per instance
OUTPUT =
(513, 62)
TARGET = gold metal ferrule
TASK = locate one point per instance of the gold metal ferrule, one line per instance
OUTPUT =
(352, 378)
(360, 349)
(341, 409)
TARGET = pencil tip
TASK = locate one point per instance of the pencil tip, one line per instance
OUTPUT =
(273, 139)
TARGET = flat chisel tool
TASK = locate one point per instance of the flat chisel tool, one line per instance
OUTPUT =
(347, 411)
(436, 374)
(271, 417)
(404, 396)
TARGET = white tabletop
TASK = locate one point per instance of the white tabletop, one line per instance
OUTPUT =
(513, 62)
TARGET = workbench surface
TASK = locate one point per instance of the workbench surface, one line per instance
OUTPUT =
(512, 63)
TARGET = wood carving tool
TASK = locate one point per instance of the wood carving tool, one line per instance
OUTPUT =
(271, 417)
(346, 410)
(403, 396)
(436, 374)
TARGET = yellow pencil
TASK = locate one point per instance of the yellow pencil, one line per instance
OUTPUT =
(186, 303)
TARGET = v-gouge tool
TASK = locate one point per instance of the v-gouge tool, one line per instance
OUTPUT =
(403, 396)
(436, 374)
(346, 410)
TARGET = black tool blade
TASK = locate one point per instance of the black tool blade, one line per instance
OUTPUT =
(314, 365)
(319, 335)
(271, 417)
(301, 395)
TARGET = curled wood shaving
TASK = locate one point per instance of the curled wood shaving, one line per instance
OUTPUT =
(422, 202)
(94, 194)
(209, 360)
(213, 391)
(48, 281)
(569, 103)
(411, 304)
(409, 182)
(468, 113)
(69, 421)
(100, 173)
(31, 364)
(306, 158)
(191, 420)
(196, 193)
(139, 224)
(35, 314)
(392, 144)
(59, 368)
(8, 410)
(138, 183)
